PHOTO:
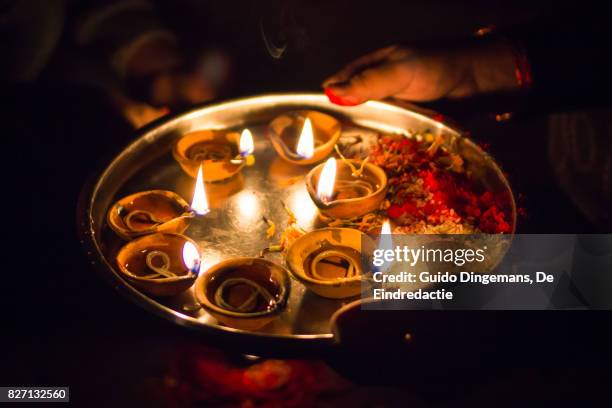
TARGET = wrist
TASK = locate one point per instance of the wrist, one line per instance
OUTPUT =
(499, 66)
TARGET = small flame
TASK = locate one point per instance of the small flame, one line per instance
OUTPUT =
(200, 203)
(385, 242)
(386, 228)
(246, 143)
(305, 146)
(191, 257)
(327, 179)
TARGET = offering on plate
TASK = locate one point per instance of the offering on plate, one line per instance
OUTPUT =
(244, 293)
(304, 137)
(331, 261)
(432, 180)
(160, 264)
(435, 190)
(221, 154)
(347, 188)
(148, 212)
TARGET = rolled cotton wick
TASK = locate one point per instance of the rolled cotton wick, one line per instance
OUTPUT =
(355, 185)
(164, 269)
(249, 159)
(324, 256)
(355, 172)
(144, 216)
(250, 302)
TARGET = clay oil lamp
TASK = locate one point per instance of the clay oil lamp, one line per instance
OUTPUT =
(222, 154)
(347, 188)
(244, 293)
(332, 262)
(304, 137)
(160, 264)
(148, 212)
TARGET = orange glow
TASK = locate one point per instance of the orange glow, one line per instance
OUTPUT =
(199, 204)
(246, 143)
(191, 257)
(327, 179)
(385, 242)
(305, 146)
(386, 228)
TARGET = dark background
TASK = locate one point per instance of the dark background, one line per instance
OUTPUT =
(64, 326)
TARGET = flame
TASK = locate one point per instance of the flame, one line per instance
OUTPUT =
(246, 143)
(385, 242)
(200, 203)
(191, 257)
(386, 228)
(305, 146)
(327, 179)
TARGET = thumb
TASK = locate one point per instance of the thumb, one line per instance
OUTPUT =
(373, 83)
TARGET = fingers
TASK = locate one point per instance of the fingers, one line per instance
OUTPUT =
(373, 83)
(360, 63)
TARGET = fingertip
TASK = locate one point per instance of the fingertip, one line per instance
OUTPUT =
(332, 95)
(327, 83)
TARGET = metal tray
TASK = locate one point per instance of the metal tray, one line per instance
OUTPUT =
(235, 227)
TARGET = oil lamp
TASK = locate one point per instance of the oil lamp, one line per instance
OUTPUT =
(244, 293)
(346, 189)
(331, 261)
(148, 212)
(160, 264)
(304, 137)
(222, 154)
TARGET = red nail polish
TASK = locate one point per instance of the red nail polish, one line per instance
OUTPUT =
(335, 99)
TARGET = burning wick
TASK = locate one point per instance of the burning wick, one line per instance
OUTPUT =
(199, 204)
(191, 258)
(305, 146)
(246, 148)
(327, 179)
(385, 242)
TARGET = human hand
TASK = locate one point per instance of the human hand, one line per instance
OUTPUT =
(416, 75)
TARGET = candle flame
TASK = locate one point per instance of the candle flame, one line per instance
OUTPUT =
(305, 146)
(327, 179)
(385, 242)
(199, 204)
(191, 257)
(246, 143)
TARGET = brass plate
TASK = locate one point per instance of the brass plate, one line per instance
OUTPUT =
(234, 227)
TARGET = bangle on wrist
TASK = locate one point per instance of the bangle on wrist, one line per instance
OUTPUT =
(522, 68)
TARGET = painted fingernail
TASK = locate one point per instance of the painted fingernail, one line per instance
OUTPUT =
(340, 100)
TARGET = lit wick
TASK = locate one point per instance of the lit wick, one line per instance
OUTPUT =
(305, 146)
(246, 147)
(385, 242)
(246, 143)
(327, 179)
(199, 204)
(191, 258)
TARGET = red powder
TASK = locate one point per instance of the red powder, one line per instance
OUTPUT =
(419, 190)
